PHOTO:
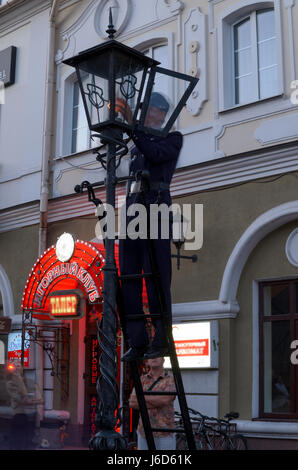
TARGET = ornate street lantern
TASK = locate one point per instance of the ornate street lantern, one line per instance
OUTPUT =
(118, 85)
(112, 73)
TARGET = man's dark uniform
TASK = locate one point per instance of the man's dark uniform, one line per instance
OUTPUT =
(159, 157)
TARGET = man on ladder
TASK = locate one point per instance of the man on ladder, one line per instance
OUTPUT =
(158, 157)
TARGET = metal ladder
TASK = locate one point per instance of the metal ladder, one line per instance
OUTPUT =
(140, 393)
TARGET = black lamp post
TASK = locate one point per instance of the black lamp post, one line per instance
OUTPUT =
(106, 73)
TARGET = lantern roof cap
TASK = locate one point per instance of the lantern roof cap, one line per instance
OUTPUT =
(104, 48)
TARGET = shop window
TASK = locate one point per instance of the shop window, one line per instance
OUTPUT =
(250, 56)
(278, 329)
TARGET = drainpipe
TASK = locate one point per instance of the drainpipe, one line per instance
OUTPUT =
(47, 129)
(45, 168)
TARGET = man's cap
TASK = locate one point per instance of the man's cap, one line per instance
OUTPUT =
(158, 101)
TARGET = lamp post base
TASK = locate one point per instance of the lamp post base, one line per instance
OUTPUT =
(108, 440)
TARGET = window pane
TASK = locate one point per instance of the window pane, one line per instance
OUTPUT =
(276, 367)
(243, 62)
(242, 35)
(160, 53)
(267, 53)
(267, 58)
(265, 24)
(243, 89)
(276, 299)
(161, 85)
(80, 128)
(268, 81)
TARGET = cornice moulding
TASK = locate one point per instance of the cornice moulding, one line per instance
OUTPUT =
(186, 181)
(205, 310)
(19, 217)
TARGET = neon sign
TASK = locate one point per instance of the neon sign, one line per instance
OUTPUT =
(72, 269)
(66, 304)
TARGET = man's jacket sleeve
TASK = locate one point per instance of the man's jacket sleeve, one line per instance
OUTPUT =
(159, 150)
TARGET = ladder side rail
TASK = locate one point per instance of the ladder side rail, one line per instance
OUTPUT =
(167, 327)
(136, 380)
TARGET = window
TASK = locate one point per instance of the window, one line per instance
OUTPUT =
(278, 328)
(250, 54)
(255, 58)
(80, 131)
(160, 53)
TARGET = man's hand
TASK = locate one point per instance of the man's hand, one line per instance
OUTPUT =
(123, 108)
(133, 401)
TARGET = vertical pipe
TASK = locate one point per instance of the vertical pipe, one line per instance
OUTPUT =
(46, 154)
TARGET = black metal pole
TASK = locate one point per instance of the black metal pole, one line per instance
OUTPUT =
(107, 387)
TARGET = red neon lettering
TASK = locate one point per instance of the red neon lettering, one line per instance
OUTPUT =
(73, 269)
(81, 273)
(93, 296)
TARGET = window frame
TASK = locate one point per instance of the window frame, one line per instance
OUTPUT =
(293, 318)
(227, 20)
(88, 133)
(252, 17)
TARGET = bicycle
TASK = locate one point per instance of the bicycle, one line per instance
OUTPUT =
(213, 433)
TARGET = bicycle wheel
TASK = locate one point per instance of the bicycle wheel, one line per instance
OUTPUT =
(203, 442)
(236, 442)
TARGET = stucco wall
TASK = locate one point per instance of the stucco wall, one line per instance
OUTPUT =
(18, 253)
(267, 261)
(227, 214)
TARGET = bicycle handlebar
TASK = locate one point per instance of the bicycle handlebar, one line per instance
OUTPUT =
(211, 418)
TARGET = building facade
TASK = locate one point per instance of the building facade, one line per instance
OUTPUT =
(238, 164)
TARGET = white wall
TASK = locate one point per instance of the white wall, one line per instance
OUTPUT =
(21, 117)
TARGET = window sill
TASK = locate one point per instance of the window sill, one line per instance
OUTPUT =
(251, 103)
(277, 420)
(267, 427)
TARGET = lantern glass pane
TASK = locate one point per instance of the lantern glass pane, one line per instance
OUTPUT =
(128, 72)
(162, 112)
(95, 92)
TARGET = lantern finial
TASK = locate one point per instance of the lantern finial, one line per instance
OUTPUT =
(111, 30)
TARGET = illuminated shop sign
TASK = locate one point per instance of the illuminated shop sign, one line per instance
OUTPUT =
(94, 360)
(14, 348)
(93, 411)
(196, 345)
(66, 304)
(65, 269)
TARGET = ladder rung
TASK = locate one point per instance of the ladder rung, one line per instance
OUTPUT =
(127, 277)
(168, 430)
(141, 316)
(161, 393)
